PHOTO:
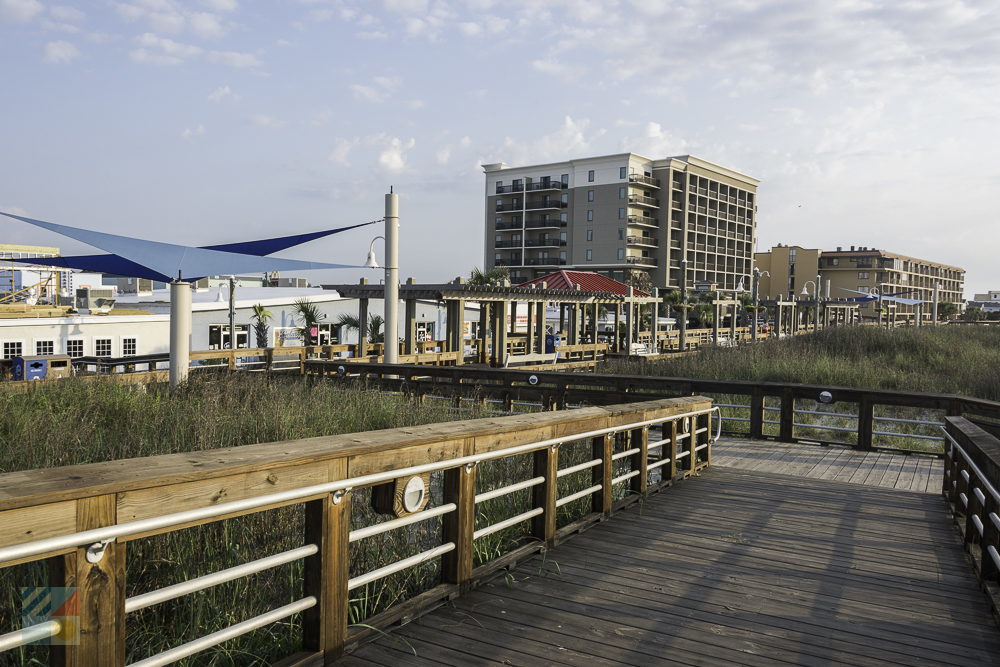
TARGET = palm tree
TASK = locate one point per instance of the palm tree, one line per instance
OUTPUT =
(311, 317)
(371, 332)
(260, 317)
(705, 313)
(498, 275)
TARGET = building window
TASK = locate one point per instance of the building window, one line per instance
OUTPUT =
(45, 347)
(590, 195)
(562, 256)
(621, 214)
(622, 172)
(498, 220)
(562, 236)
(590, 176)
(129, 347)
(590, 234)
(835, 262)
(791, 255)
(564, 179)
(621, 253)
(102, 347)
(517, 184)
(590, 215)
(564, 199)
(499, 187)
(621, 233)
(862, 275)
(12, 348)
(622, 193)
(74, 347)
(590, 255)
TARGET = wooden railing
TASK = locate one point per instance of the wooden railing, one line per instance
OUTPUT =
(972, 488)
(80, 518)
(861, 418)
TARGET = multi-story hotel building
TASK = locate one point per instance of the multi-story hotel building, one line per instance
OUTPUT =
(618, 213)
(862, 269)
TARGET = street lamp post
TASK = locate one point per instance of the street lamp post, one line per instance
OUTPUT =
(682, 338)
(390, 294)
(232, 312)
(755, 288)
(805, 292)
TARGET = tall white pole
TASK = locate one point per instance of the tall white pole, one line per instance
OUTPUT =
(934, 316)
(180, 332)
(391, 278)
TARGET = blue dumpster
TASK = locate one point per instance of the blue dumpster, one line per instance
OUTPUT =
(30, 368)
(550, 343)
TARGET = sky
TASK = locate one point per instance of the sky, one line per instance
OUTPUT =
(210, 121)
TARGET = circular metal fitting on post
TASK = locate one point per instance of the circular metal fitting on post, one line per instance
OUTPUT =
(341, 370)
(825, 397)
(339, 495)
(532, 380)
(413, 494)
(95, 552)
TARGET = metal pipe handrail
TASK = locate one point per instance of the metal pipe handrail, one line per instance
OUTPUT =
(392, 524)
(233, 631)
(579, 494)
(392, 568)
(510, 488)
(108, 533)
(562, 472)
(506, 523)
(32, 633)
(201, 583)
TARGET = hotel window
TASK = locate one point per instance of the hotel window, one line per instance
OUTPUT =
(564, 179)
(622, 172)
(590, 234)
(562, 256)
(590, 176)
(499, 187)
(791, 255)
(862, 275)
(102, 347)
(622, 193)
(621, 233)
(129, 347)
(590, 216)
(590, 255)
(564, 199)
(590, 195)
(45, 347)
(621, 214)
(74, 347)
(621, 253)
(516, 185)
(12, 348)
(564, 217)
(498, 219)
(835, 262)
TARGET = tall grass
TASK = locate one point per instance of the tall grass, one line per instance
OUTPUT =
(961, 360)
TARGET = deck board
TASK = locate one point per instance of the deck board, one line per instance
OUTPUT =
(735, 566)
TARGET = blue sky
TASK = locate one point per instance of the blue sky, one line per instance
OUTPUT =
(205, 121)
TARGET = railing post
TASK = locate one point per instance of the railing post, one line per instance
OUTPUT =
(671, 451)
(991, 538)
(640, 438)
(602, 448)
(757, 414)
(787, 425)
(866, 422)
(100, 590)
(327, 525)
(459, 526)
(544, 495)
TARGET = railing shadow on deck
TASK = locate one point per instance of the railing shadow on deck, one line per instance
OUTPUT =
(78, 520)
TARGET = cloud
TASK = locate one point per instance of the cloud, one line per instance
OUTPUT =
(569, 140)
(20, 11)
(392, 151)
(157, 50)
(341, 150)
(196, 132)
(378, 91)
(221, 5)
(373, 34)
(223, 93)
(393, 158)
(68, 14)
(204, 24)
(233, 59)
(261, 120)
(172, 17)
(58, 53)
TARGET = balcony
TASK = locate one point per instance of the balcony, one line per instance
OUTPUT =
(651, 241)
(507, 262)
(508, 226)
(642, 261)
(507, 244)
(503, 189)
(544, 243)
(544, 224)
(508, 208)
(545, 261)
(645, 180)
(547, 185)
(640, 200)
(643, 221)
(543, 204)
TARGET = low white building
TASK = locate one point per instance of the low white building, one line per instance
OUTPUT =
(140, 334)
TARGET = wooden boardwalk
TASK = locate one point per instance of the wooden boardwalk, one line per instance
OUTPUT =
(883, 469)
(731, 567)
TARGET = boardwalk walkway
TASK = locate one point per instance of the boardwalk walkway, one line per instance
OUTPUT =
(732, 567)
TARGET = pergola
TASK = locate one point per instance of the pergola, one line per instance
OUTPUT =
(578, 310)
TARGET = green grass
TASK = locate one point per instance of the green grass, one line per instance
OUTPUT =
(960, 360)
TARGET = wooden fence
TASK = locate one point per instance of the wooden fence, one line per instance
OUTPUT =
(80, 518)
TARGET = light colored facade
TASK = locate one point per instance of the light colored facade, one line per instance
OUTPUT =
(989, 302)
(861, 269)
(15, 276)
(623, 212)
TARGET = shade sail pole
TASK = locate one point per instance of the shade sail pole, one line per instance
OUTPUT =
(391, 294)
(180, 332)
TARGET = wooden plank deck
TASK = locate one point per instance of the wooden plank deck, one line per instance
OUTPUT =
(734, 566)
(883, 469)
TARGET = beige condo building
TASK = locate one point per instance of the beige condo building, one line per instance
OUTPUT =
(861, 269)
(617, 213)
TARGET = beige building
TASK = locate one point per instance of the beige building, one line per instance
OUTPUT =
(861, 269)
(617, 213)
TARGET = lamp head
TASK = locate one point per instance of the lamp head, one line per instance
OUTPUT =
(372, 263)
(740, 288)
(804, 291)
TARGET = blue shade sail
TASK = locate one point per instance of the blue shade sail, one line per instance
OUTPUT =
(271, 246)
(167, 261)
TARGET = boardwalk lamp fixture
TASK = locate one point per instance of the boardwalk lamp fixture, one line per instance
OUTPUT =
(391, 296)
(179, 265)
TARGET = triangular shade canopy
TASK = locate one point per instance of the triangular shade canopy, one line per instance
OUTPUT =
(167, 261)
